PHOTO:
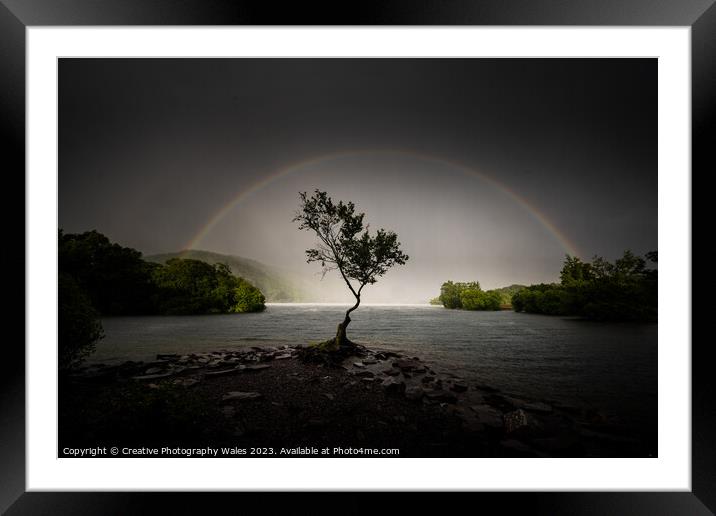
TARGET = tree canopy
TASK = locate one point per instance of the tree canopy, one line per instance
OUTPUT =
(469, 296)
(625, 290)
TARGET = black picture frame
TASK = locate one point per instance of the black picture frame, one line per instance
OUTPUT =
(17, 15)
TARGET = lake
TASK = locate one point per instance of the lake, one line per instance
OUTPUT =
(610, 367)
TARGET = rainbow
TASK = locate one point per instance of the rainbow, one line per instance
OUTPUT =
(569, 247)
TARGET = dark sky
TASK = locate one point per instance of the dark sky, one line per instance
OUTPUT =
(488, 169)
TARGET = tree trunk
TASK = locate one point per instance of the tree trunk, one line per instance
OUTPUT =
(341, 338)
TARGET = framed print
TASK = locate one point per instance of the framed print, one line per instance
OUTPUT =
(345, 258)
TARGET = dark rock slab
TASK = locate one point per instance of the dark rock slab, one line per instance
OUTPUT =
(458, 387)
(500, 402)
(538, 407)
(224, 372)
(147, 377)
(240, 396)
(406, 365)
(186, 382)
(414, 393)
(441, 396)
(393, 386)
(488, 416)
(257, 367)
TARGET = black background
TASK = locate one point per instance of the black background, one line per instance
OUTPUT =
(16, 14)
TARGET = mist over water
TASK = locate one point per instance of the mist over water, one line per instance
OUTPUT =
(608, 367)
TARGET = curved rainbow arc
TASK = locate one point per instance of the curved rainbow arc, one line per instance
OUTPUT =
(530, 208)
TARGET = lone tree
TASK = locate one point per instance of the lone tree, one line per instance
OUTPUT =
(346, 245)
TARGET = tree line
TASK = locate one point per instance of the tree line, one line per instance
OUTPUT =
(623, 290)
(470, 296)
(97, 278)
(600, 290)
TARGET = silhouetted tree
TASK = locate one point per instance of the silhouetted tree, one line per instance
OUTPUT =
(346, 245)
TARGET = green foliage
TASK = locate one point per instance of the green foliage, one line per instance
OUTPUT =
(625, 290)
(278, 285)
(469, 296)
(472, 299)
(346, 245)
(247, 298)
(79, 327)
(506, 293)
(188, 286)
(118, 281)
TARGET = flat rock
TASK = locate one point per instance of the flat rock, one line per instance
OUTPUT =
(391, 385)
(364, 374)
(458, 387)
(391, 372)
(500, 402)
(157, 363)
(539, 407)
(238, 395)
(186, 382)
(369, 361)
(283, 356)
(414, 393)
(358, 364)
(223, 372)
(486, 388)
(153, 370)
(257, 367)
(151, 376)
(488, 416)
(406, 365)
(443, 396)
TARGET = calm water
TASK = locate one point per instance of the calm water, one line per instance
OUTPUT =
(610, 367)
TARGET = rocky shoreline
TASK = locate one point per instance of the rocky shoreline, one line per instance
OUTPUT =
(273, 397)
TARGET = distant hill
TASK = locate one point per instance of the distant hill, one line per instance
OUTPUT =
(277, 285)
(506, 293)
